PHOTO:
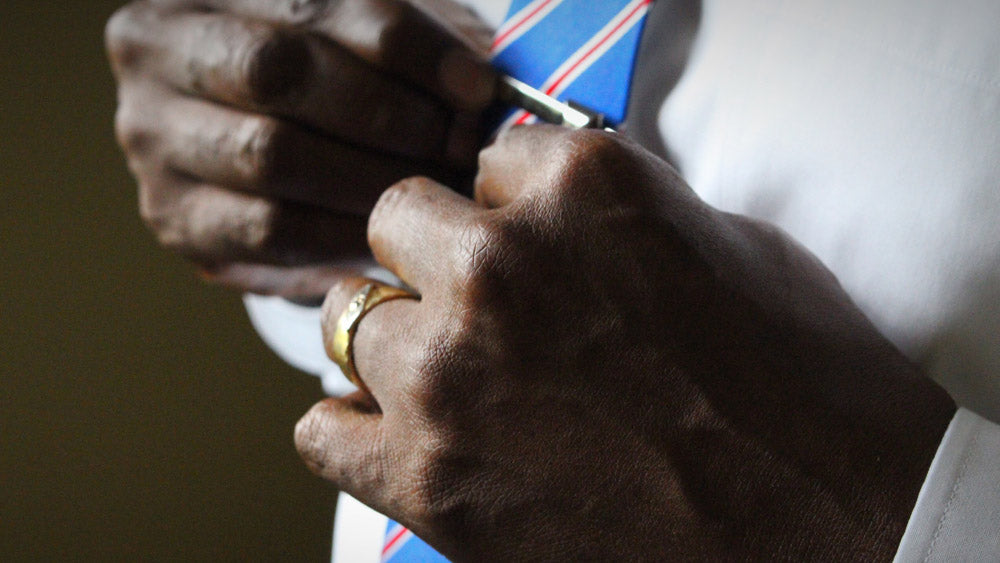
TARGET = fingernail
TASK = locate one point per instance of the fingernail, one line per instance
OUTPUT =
(472, 82)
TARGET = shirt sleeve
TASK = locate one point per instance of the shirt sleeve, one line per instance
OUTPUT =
(957, 515)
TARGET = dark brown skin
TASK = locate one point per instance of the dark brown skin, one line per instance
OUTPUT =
(604, 367)
(263, 131)
(601, 366)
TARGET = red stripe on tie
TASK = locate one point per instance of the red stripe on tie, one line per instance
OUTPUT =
(500, 39)
(596, 46)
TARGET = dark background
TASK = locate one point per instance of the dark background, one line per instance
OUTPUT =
(140, 415)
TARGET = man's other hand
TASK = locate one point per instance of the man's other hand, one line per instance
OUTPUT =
(263, 131)
(603, 367)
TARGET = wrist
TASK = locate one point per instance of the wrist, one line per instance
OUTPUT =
(859, 483)
(828, 472)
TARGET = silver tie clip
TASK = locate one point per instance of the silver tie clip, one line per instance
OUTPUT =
(516, 93)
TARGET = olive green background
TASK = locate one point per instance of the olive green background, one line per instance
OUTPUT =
(140, 415)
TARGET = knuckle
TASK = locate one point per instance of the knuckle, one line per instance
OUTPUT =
(170, 229)
(122, 35)
(134, 138)
(305, 12)
(489, 155)
(386, 205)
(586, 152)
(429, 387)
(592, 166)
(260, 149)
(489, 250)
(307, 432)
(478, 243)
(594, 143)
(439, 486)
(486, 245)
(159, 218)
(275, 64)
(255, 230)
(392, 200)
(203, 226)
(397, 23)
(115, 30)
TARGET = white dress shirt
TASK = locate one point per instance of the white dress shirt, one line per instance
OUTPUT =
(870, 131)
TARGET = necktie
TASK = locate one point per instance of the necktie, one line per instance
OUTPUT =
(573, 50)
(578, 50)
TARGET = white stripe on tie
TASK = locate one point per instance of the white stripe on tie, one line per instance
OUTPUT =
(522, 22)
(586, 55)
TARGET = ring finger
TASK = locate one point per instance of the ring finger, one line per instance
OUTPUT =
(381, 346)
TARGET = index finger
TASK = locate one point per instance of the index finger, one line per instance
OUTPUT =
(393, 35)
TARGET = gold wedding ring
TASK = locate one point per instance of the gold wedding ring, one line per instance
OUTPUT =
(366, 299)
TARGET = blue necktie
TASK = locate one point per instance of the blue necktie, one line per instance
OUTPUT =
(579, 50)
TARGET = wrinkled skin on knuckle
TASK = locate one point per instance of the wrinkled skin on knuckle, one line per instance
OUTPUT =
(435, 482)
(134, 137)
(490, 250)
(596, 176)
(276, 65)
(308, 12)
(168, 227)
(391, 199)
(318, 440)
(381, 211)
(207, 230)
(124, 49)
(618, 205)
(471, 472)
(257, 230)
(436, 388)
(263, 151)
(594, 166)
(308, 440)
(486, 320)
(397, 20)
(151, 208)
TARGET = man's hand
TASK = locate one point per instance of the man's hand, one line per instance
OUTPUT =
(263, 131)
(603, 367)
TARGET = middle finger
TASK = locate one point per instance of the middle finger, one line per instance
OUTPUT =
(274, 157)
